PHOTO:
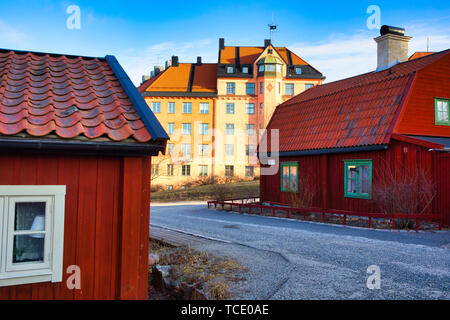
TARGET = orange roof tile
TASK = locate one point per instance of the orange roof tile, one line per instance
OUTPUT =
(205, 78)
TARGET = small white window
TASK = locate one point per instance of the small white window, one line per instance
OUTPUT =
(244, 69)
(31, 234)
(298, 70)
(230, 69)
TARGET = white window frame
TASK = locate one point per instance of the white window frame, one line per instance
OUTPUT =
(171, 107)
(204, 108)
(156, 107)
(51, 269)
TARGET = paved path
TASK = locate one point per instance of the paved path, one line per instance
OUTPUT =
(288, 259)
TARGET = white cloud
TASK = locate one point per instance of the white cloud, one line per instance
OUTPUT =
(342, 56)
(10, 36)
(137, 63)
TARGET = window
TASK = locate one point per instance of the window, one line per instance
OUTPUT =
(442, 111)
(156, 107)
(230, 69)
(279, 68)
(230, 108)
(261, 87)
(171, 107)
(308, 86)
(244, 69)
(298, 70)
(261, 68)
(155, 169)
(186, 129)
(249, 171)
(203, 149)
(229, 171)
(170, 149)
(31, 234)
(250, 108)
(187, 107)
(229, 129)
(186, 170)
(204, 128)
(229, 150)
(289, 89)
(170, 128)
(270, 67)
(186, 151)
(231, 88)
(169, 188)
(261, 107)
(358, 179)
(250, 89)
(250, 150)
(250, 129)
(170, 170)
(203, 170)
(204, 108)
(289, 177)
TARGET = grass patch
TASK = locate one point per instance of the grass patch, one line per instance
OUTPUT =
(209, 192)
(208, 273)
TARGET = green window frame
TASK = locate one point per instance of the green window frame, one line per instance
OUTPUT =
(441, 112)
(358, 179)
(289, 176)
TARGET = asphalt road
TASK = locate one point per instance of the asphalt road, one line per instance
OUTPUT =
(289, 259)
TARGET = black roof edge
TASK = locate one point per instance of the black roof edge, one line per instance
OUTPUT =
(179, 94)
(331, 151)
(73, 147)
(152, 124)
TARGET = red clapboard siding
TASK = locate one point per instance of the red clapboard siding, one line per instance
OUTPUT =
(327, 173)
(418, 115)
(106, 223)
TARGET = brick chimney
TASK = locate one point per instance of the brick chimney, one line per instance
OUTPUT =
(392, 46)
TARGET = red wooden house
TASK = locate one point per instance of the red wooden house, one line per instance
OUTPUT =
(76, 140)
(347, 144)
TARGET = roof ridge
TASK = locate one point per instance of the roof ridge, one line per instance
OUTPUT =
(51, 54)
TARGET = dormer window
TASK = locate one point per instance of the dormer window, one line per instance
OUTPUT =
(261, 68)
(270, 66)
(230, 69)
(442, 112)
(244, 69)
(298, 70)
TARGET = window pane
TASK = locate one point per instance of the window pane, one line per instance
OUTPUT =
(365, 175)
(293, 179)
(30, 216)
(28, 248)
(286, 178)
(204, 108)
(352, 179)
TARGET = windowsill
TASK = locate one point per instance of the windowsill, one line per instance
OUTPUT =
(358, 196)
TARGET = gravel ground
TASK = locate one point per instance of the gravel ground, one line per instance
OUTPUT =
(290, 259)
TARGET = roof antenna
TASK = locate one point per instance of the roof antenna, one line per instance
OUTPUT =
(428, 44)
(272, 28)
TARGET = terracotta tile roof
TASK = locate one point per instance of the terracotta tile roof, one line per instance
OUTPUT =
(70, 96)
(177, 79)
(418, 55)
(354, 112)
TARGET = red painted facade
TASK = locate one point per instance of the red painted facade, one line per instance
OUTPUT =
(106, 223)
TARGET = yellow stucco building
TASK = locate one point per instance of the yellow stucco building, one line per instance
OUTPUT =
(213, 112)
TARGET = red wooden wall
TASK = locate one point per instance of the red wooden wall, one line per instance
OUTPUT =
(106, 223)
(327, 172)
(418, 115)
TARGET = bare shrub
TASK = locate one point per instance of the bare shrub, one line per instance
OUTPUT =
(307, 190)
(407, 190)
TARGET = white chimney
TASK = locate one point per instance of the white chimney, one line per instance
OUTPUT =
(392, 47)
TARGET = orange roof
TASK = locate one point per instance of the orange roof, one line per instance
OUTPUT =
(177, 79)
(205, 78)
(248, 55)
(418, 55)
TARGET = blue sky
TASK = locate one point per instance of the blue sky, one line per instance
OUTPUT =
(331, 35)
